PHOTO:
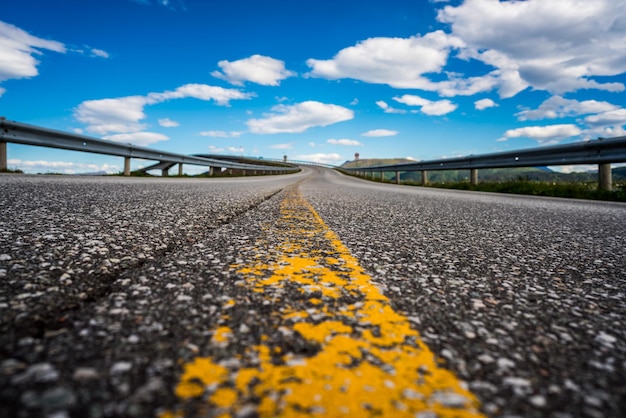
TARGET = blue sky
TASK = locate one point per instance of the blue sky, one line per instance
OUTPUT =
(312, 80)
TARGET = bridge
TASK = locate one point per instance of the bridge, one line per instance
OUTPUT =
(308, 294)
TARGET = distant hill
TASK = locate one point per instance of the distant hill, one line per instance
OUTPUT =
(370, 162)
(487, 174)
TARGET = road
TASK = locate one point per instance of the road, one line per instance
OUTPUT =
(313, 294)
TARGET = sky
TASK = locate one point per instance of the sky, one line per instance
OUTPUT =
(316, 80)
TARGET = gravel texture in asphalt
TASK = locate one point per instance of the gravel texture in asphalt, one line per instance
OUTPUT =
(112, 291)
(524, 298)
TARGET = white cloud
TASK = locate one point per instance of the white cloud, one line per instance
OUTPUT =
(168, 123)
(322, 158)
(235, 149)
(112, 115)
(615, 117)
(388, 109)
(123, 115)
(380, 133)
(221, 134)
(99, 53)
(205, 92)
(256, 69)
(559, 107)
(557, 45)
(281, 146)
(17, 51)
(345, 142)
(544, 135)
(483, 104)
(398, 62)
(137, 138)
(63, 167)
(428, 107)
(299, 117)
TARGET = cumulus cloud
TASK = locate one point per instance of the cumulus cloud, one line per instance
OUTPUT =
(559, 107)
(380, 133)
(345, 142)
(398, 62)
(168, 123)
(112, 115)
(553, 46)
(428, 107)
(299, 117)
(205, 92)
(257, 69)
(615, 117)
(483, 104)
(558, 46)
(137, 138)
(124, 114)
(64, 167)
(18, 49)
(331, 158)
(388, 109)
(544, 135)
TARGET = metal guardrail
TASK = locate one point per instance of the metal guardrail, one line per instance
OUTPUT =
(21, 133)
(601, 151)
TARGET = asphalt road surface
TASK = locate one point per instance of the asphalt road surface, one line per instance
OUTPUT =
(313, 294)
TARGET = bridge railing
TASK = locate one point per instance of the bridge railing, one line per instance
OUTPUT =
(21, 133)
(602, 152)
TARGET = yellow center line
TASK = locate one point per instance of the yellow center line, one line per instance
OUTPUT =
(368, 360)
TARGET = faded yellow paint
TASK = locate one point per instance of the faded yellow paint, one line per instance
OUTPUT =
(367, 359)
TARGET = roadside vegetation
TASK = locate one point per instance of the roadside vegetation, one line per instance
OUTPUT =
(536, 181)
(539, 188)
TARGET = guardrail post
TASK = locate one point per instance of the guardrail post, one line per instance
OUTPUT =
(180, 169)
(3, 157)
(424, 177)
(605, 177)
(474, 176)
(397, 177)
(127, 166)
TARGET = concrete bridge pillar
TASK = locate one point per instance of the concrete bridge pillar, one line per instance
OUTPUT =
(3, 157)
(165, 172)
(424, 177)
(127, 166)
(474, 176)
(397, 177)
(605, 176)
(180, 169)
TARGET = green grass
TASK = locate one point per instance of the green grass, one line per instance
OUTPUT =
(538, 188)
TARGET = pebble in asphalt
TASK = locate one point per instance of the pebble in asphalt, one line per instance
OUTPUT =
(108, 287)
